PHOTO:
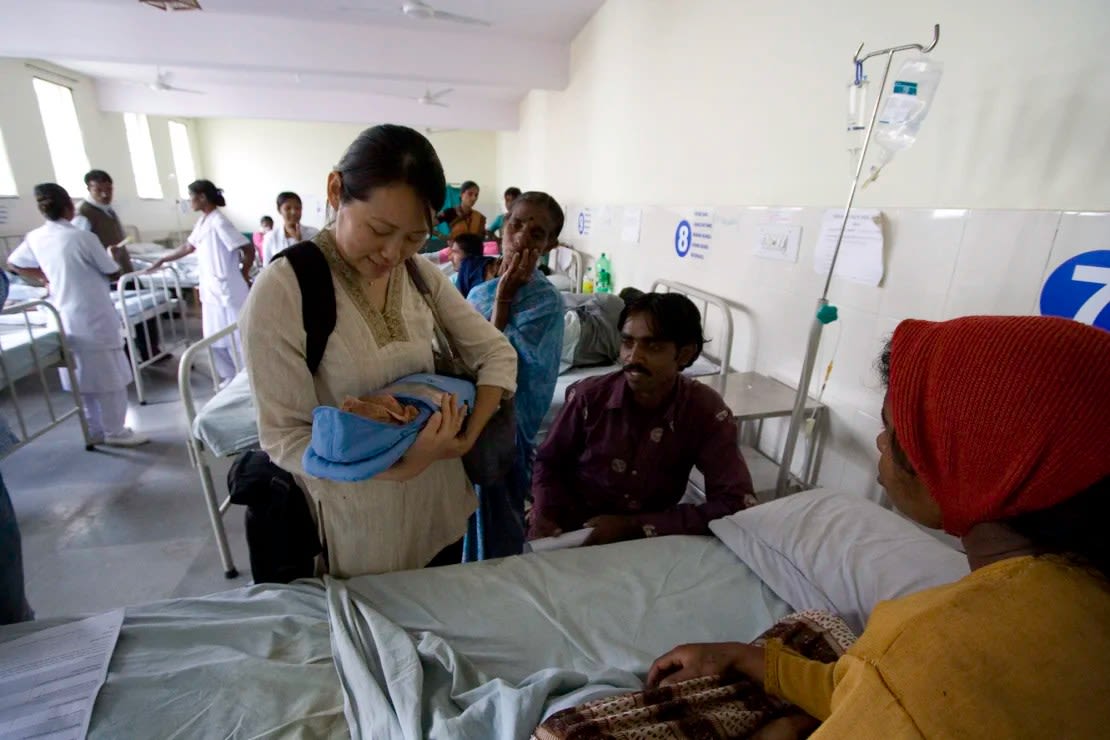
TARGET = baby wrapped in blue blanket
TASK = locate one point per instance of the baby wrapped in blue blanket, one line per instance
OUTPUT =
(349, 447)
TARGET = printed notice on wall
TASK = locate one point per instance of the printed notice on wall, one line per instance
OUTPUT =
(861, 252)
(630, 225)
(584, 221)
(693, 235)
(51, 677)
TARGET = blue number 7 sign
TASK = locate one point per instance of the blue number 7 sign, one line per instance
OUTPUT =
(1080, 289)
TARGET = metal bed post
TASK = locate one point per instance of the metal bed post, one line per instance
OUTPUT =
(826, 313)
(215, 508)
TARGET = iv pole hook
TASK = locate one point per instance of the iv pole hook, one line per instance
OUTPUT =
(923, 49)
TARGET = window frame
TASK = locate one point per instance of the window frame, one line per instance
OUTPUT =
(77, 186)
(138, 125)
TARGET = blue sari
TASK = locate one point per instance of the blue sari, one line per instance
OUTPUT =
(535, 330)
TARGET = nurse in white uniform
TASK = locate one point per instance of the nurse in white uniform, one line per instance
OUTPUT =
(291, 231)
(77, 269)
(225, 258)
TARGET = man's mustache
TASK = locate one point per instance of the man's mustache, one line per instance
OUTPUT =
(637, 368)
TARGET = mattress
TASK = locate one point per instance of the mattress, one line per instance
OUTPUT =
(136, 303)
(19, 357)
(227, 424)
(498, 645)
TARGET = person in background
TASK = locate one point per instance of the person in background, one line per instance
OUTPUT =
(1020, 647)
(97, 215)
(13, 595)
(225, 261)
(471, 265)
(619, 455)
(494, 232)
(291, 231)
(77, 269)
(523, 304)
(464, 219)
(384, 193)
(265, 226)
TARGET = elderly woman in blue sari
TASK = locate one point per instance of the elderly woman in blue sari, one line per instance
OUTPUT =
(521, 302)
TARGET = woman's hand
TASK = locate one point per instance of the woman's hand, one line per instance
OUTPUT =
(516, 271)
(438, 440)
(706, 659)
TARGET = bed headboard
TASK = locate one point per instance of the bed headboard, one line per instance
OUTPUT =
(568, 261)
(719, 346)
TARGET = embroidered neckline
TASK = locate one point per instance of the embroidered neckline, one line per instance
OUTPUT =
(386, 326)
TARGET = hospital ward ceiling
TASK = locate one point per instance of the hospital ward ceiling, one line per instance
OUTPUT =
(357, 61)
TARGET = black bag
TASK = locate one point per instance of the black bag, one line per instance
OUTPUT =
(490, 460)
(281, 531)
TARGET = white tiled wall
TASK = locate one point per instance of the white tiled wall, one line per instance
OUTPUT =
(938, 264)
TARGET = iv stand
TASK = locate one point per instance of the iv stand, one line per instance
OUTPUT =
(825, 313)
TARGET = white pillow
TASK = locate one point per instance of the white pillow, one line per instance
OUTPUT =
(825, 549)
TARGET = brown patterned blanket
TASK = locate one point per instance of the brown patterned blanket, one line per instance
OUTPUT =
(703, 708)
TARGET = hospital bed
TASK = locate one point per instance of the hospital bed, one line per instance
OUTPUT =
(153, 297)
(31, 341)
(567, 268)
(489, 649)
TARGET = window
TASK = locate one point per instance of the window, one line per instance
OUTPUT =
(63, 135)
(7, 179)
(142, 155)
(182, 158)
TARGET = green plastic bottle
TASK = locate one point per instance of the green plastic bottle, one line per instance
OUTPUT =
(604, 275)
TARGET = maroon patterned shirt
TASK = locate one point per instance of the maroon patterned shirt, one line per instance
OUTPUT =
(606, 455)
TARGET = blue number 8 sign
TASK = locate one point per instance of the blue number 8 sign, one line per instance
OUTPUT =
(682, 238)
(1080, 289)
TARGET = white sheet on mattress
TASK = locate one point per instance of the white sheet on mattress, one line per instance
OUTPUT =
(227, 423)
(19, 359)
(565, 626)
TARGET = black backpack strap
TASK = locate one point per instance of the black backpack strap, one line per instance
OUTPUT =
(317, 298)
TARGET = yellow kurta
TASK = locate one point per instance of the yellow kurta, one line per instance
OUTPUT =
(1017, 649)
(372, 526)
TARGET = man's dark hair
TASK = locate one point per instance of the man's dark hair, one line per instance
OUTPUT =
(673, 318)
(266, 221)
(96, 176)
(630, 294)
(470, 244)
(468, 185)
(513, 191)
(553, 208)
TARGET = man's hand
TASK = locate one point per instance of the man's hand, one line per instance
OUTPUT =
(540, 526)
(612, 528)
(706, 659)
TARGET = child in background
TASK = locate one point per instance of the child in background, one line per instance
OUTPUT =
(265, 226)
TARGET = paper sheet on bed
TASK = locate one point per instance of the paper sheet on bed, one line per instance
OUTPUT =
(49, 680)
(568, 539)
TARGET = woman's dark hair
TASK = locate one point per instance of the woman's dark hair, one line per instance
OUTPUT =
(1074, 529)
(674, 318)
(467, 185)
(470, 244)
(546, 201)
(266, 221)
(513, 191)
(285, 197)
(208, 189)
(96, 176)
(391, 154)
(53, 200)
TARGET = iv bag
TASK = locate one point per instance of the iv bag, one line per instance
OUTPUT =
(857, 120)
(906, 106)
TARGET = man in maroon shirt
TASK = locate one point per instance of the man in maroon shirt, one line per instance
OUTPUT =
(619, 455)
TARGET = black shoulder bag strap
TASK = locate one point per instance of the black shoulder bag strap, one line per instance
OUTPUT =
(317, 298)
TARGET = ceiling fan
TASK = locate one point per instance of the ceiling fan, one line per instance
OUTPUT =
(422, 11)
(434, 98)
(161, 83)
(173, 4)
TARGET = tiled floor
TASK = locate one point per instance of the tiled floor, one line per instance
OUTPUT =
(114, 527)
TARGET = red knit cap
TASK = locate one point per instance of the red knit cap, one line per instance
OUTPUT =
(1001, 415)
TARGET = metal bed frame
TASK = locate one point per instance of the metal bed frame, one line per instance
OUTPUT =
(198, 452)
(41, 360)
(722, 355)
(576, 271)
(162, 291)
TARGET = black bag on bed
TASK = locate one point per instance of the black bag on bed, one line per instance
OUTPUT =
(281, 531)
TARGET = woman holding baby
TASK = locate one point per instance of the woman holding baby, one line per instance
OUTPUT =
(385, 192)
